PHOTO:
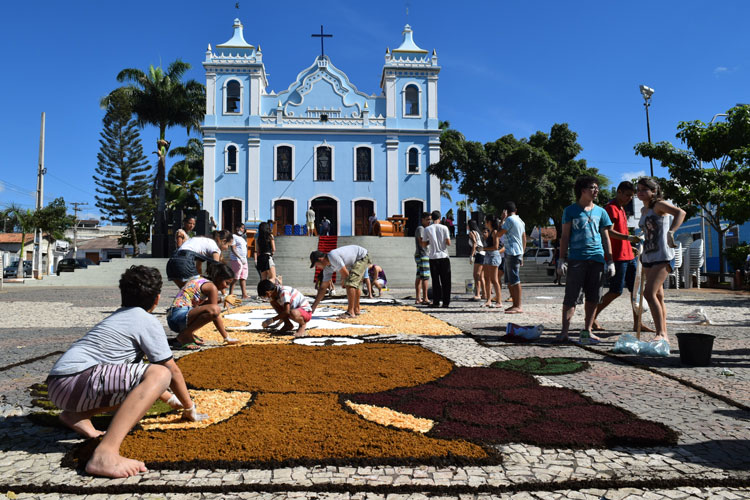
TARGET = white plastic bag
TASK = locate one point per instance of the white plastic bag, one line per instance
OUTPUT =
(694, 317)
(628, 344)
(526, 332)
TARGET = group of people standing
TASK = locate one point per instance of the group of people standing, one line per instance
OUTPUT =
(595, 243)
(497, 252)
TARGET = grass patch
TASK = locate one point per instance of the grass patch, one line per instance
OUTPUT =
(542, 366)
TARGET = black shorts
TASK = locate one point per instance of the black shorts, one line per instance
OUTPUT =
(478, 258)
(652, 264)
(586, 275)
(265, 262)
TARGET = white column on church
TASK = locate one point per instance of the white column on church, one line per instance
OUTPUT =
(253, 178)
(434, 181)
(432, 110)
(390, 96)
(209, 174)
(392, 201)
(254, 95)
(210, 93)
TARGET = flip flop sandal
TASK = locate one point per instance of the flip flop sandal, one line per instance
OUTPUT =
(190, 346)
(199, 340)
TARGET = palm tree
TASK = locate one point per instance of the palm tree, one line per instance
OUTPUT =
(192, 154)
(184, 187)
(445, 189)
(161, 99)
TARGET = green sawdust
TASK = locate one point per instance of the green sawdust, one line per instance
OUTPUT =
(542, 366)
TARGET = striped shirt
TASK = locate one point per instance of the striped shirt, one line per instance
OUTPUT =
(294, 298)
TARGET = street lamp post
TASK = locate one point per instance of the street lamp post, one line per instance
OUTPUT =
(647, 92)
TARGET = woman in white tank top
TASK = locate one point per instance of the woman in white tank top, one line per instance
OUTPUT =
(659, 221)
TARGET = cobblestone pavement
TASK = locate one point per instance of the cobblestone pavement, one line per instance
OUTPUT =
(707, 408)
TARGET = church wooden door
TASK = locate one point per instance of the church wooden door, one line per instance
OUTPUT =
(283, 215)
(231, 214)
(413, 211)
(363, 209)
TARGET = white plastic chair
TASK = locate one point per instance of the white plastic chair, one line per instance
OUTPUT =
(678, 255)
(695, 260)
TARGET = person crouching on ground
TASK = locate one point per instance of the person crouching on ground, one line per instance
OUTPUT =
(585, 240)
(197, 303)
(186, 262)
(375, 277)
(104, 371)
(659, 221)
(351, 261)
(289, 304)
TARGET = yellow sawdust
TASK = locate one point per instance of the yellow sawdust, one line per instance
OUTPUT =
(391, 320)
(218, 405)
(386, 416)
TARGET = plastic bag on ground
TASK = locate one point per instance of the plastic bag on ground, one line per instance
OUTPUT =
(629, 344)
(532, 332)
(694, 317)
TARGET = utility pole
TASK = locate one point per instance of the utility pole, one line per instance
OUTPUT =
(37, 263)
(76, 204)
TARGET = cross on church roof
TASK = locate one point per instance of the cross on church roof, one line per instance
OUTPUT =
(321, 36)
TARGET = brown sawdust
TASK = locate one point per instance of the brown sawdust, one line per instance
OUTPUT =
(296, 414)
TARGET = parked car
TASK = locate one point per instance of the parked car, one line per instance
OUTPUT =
(540, 256)
(70, 265)
(11, 271)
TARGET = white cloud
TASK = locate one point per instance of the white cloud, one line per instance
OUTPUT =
(629, 176)
(724, 70)
(2, 186)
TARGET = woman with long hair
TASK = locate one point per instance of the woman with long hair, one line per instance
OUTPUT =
(659, 220)
(492, 260)
(477, 257)
(186, 262)
(265, 247)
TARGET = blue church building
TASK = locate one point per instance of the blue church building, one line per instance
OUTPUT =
(321, 142)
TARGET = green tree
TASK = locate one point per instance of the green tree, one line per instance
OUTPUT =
(162, 99)
(538, 173)
(122, 174)
(185, 179)
(712, 176)
(53, 220)
(25, 221)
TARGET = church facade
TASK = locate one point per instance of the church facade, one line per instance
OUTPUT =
(320, 143)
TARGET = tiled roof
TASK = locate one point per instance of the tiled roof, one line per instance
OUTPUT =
(15, 237)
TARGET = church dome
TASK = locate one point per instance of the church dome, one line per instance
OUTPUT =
(237, 41)
(408, 45)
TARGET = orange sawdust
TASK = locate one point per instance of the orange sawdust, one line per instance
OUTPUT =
(386, 416)
(218, 405)
(391, 320)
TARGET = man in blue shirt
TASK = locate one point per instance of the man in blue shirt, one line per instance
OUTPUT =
(584, 250)
(514, 230)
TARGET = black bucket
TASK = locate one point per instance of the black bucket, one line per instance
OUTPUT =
(695, 348)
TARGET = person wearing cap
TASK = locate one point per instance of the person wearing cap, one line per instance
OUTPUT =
(351, 262)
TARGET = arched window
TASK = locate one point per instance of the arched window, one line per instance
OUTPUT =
(233, 97)
(231, 165)
(284, 163)
(364, 164)
(413, 167)
(411, 100)
(323, 164)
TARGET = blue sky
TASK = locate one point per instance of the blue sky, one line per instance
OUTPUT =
(508, 67)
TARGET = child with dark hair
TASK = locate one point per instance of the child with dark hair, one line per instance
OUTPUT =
(198, 303)
(186, 263)
(104, 371)
(289, 304)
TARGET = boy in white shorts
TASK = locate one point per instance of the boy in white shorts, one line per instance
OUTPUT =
(104, 371)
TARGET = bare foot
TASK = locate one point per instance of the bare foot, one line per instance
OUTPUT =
(597, 327)
(660, 337)
(82, 426)
(594, 337)
(514, 310)
(113, 465)
(287, 327)
(300, 332)
(245, 296)
(644, 328)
